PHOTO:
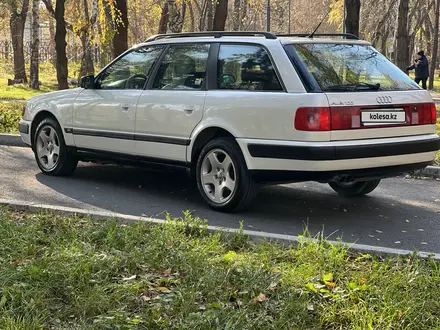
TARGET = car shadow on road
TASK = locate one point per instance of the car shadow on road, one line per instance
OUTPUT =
(281, 209)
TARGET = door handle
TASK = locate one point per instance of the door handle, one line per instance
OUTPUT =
(188, 110)
(125, 107)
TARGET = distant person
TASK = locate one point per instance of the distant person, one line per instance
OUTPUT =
(421, 65)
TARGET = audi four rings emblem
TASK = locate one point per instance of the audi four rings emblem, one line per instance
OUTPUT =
(384, 99)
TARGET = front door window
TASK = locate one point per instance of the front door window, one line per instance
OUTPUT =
(130, 71)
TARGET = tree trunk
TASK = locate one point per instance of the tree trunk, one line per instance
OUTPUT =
(176, 16)
(210, 16)
(401, 37)
(60, 45)
(353, 10)
(35, 54)
(87, 66)
(236, 19)
(120, 39)
(163, 23)
(17, 22)
(435, 47)
(52, 51)
(191, 17)
(221, 13)
(383, 44)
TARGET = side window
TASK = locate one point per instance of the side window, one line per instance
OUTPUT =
(130, 71)
(183, 67)
(246, 67)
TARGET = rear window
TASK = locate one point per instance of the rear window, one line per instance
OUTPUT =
(351, 68)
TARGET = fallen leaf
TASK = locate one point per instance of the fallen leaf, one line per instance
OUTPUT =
(420, 229)
(310, 307)
(424, 243)
(401, 314)
(260, 298)
(403, 231)
(397, 242)
(163, 289)
(437, 200)
(311, 287)
(331, 284)
(406, 220)
(327, 277)
(129, 278)
(379, 231)
(372, 236)
(363, 280)
(145, 298)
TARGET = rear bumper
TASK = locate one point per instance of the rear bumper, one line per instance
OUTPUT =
(268, 176)
(387, 156)
(338, 152)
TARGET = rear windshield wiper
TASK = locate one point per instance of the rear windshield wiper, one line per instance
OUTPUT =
(353, 87)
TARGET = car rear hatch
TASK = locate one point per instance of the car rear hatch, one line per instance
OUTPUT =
(368, 96)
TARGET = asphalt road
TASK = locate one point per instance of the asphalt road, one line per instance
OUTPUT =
(401, 213)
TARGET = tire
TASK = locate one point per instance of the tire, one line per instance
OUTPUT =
(50, 150)
(354, 189)
(221, 159)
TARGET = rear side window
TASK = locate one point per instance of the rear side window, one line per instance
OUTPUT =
(183, 67)
(246, 67)
(351, 68)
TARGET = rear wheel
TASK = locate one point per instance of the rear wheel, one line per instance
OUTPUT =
(51, 152)
(351, 189)
(222, 177)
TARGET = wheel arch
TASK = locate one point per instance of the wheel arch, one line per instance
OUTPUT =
(202, 138)
(36, 120)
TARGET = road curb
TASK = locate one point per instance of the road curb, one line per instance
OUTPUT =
(11, 140)
(430, 171)
(256, 236)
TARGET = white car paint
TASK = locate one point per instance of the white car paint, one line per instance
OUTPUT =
(170, 114)
(266, 117)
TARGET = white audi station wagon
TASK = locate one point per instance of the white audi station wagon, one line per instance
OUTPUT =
(241, 109)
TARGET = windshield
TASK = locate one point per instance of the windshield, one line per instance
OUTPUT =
(352, 68)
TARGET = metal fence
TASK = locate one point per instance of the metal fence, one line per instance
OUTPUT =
(47, 51)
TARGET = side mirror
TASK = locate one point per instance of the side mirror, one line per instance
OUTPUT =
(87, 82)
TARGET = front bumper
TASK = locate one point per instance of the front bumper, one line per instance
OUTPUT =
(24, 127)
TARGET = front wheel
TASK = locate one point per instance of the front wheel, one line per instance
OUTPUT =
(222, 176)
(351, 189)
(51, 152)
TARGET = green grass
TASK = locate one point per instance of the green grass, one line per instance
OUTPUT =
(23, 91)
(10, 115)
(70, 273)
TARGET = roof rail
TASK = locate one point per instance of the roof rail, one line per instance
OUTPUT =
(307, 35)
(215, 34)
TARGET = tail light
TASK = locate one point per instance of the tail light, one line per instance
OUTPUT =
(312, 119)
(346, 118)
(433, 113)
(424, 114)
